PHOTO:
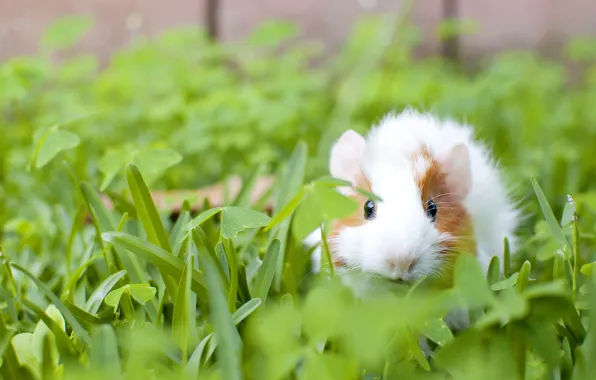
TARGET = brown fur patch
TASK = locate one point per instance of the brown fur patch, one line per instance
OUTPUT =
(451, 216)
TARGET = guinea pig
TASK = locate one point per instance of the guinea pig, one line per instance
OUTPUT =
(441, 191)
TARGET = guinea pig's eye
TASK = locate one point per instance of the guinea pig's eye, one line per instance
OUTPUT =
(369, 209)
(431, 209)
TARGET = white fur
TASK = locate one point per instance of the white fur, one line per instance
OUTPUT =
(401, 228)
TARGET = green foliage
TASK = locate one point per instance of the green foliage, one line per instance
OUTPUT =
(229, 293)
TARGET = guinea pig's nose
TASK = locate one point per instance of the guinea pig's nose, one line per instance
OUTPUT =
(401, 265)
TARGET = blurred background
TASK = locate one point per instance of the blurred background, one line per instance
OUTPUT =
(196, 91)
(542, 25)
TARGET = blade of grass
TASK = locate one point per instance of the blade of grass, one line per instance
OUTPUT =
(506, 259)
(523, 277)
(203, 217)
(287, 210)
(242, 313)
(576, 262)
(94, 302)
(69, 291)
(232, 259)
(200, 240)
(193, 367)
(47, 363)
(243, 197)
(264, 276)
(179, 232)
(103, 218)
(245, 310)
(146, 209)
(229, 344)
(291, 183)
(104, 355)
(551, 221)
(181, 318)
(82, 334)
(89, 321)
(494, 272)
(163, 260)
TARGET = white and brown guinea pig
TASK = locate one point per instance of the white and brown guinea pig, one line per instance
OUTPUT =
(441, 193)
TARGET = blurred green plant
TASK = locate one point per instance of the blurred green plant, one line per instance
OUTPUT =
(229, 293)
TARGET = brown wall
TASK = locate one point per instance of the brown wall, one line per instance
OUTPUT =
(538, 24)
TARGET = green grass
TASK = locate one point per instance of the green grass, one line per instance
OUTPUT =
(228, 292)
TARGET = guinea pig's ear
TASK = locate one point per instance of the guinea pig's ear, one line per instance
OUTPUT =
(456, 164)
(346, 156)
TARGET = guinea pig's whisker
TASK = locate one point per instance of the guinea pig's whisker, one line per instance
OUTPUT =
(442, 195)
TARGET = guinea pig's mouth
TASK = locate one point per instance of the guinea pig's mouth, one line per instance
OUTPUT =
(398, 281)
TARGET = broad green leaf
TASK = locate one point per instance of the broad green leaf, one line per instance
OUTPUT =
(437, 331)
(94, 302)
(141, 292)
(330, 181)
(265, 274)
(56, 325)
(82, 334)
(181, 319)
(153, 162)
(66, 32)
(146, 210)
(553, 225)
(544, 340)
(113, 297)
(54, 141)
(469, 283)
(509, 306)
(24, 352)
(41, 330)
(321, 204)
(330, 366)
(112, 163)
(104, 353)
(587, 268)
(229, 346)
(237, 219)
